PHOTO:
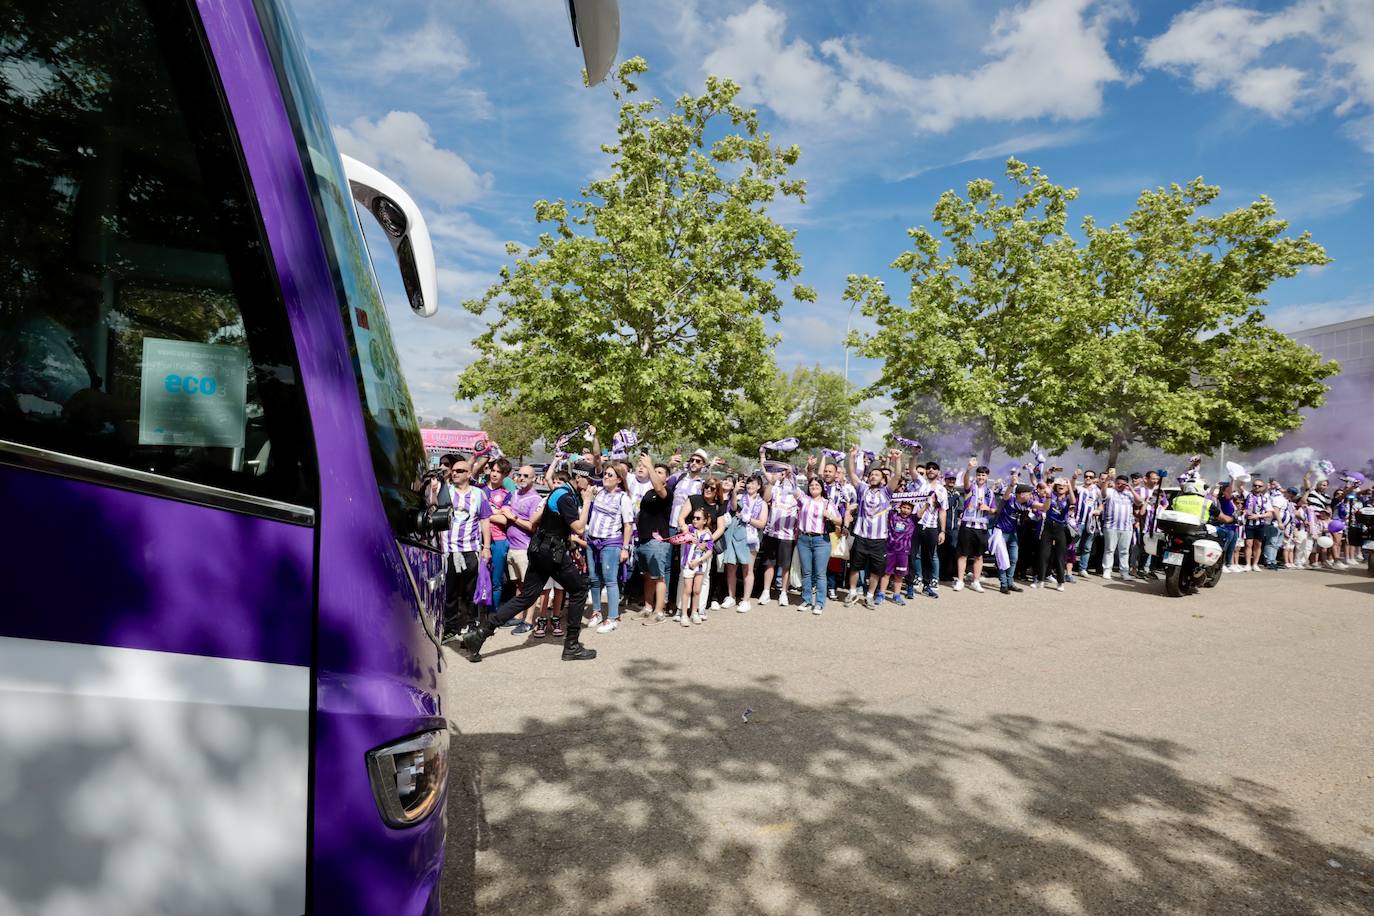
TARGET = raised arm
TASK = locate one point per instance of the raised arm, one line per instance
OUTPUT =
(849, 465)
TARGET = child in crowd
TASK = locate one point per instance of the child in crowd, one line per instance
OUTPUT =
(901, 531)
(697, 552)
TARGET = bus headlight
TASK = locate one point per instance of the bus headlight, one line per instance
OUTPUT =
(408, 777)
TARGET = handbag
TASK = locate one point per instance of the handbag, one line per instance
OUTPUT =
(840, 545)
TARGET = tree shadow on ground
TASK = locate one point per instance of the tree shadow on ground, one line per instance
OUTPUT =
(667, 801)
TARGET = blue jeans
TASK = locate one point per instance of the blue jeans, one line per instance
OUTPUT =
(1229, 537)
(499, 549)
(605, 574)
(1086, 539)
(1273, 542)
(1004, 576)
(814, 552)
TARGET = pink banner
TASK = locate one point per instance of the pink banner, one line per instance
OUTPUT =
(452, 440)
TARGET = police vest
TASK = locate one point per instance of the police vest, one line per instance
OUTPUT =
(1190, 504)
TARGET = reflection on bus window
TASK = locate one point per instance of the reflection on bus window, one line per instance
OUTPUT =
(139, 322)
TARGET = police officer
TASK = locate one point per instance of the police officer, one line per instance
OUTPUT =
(1191, 500)
(550, 554)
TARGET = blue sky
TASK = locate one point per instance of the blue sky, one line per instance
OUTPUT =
(477, 109)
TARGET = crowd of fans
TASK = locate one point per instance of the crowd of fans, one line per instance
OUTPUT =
(676, 540)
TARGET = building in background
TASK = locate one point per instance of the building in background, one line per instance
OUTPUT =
(1339, 431)
(1350, 343)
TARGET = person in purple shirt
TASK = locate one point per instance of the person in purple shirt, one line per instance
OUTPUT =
(520, 511)
(1006, 532)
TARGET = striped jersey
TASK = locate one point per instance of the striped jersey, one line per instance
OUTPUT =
(873, 504)
(782, 519)
(609, 513)
(931, 500)
(1118, 509)
(978, 496)
(464, 533)
(812, 514)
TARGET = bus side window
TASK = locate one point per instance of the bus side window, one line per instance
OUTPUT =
(140, 323)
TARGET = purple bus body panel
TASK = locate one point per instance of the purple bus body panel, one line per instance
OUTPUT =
(130, 570)
(377, 672)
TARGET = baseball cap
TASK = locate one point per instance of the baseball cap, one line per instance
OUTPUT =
(583, 468)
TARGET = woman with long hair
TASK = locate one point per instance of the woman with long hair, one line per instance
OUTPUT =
(813, 542)
(1054, 532)
(608, 517)
(748, 517)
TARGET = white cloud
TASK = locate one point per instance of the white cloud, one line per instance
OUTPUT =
(458, 235)
(1315, 314)
(1025, 143)
(1272, 90)
(1308, 55)
(433, 50)
(1047, 58)
(401, 144)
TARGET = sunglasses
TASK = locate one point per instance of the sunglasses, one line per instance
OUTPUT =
(519, 476)
(462, 471)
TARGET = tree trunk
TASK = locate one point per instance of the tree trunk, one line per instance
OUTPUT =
(1114, 450)
(987, 454)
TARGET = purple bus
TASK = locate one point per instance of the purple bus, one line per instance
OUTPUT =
(220, 670)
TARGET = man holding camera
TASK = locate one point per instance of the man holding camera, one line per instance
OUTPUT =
(551, 554)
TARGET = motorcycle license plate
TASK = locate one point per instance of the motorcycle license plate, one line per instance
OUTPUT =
(1173, 559)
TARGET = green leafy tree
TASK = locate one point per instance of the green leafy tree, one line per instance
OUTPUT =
(510, 427)
(1189, 361)
(643, 304)
(988, 336)
(813, 404)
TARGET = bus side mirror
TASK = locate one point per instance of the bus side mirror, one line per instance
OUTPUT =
(596, 30)
(405, 229)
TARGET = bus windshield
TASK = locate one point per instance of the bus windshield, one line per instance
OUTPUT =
(392, 429)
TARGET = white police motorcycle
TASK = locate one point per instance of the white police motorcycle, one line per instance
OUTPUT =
(1191, 552)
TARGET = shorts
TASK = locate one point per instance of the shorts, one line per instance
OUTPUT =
(737, 550)
(868, 554)
(654, 558)
(1255, 532)
(777, 551)
(973, 542)
(897, 563)
(517, 563)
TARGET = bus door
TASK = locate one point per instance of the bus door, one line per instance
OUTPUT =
(158, 481)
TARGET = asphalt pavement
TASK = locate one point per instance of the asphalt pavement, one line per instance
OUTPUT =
(1102, 750)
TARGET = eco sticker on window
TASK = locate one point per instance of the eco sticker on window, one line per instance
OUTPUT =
(192, 394)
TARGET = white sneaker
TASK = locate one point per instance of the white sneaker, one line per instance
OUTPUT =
(728, 603)
(958, 585)
(697, 618)
(830, 594)
(817, 610)
(1035, 583)
(715, 605)
(1059, 587)
(977, 587)
(764, 599)
(806, 606)
(743, 607)
(782, 600)
(609, 626)
(682, 619)
(594, 622)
